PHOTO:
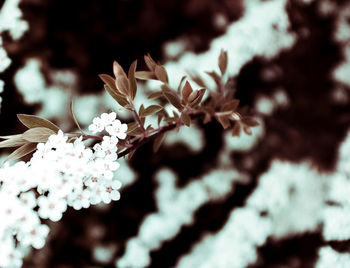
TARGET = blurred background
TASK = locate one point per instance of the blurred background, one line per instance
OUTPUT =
(206, 199)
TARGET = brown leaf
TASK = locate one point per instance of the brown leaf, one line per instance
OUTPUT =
(141, 109)
(22, 151)
(150, 62)
(236, 130)
(198, 80)
(131, 127)
(198, 98)
(173, 99)
(186, 119)
(137, 131)
(144, 75)
(10, 136)
(15, 141)
(161, 74)
(223, 62)
(155, 95)
(215, 77)
(179, 87)
(110, 81)
(120, 99)
(207, 118)
(223, 120)
(31, 121)
(38, 134)
(132, 79)
(186, 91)
(251, 122)
(158, 142)
(230, 106)
(121, 80)
(151, 110)
(247, 130)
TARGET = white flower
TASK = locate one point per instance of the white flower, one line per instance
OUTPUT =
(100, 123)
(97, 193)
(51, 207)
(97, 125)
(10, 257)
(109, 167)
(111, 191)
(35, 237)
(79, 199)
(109, 142)
(117, 129)
(108, 119)
(28, 199)
(56, 141)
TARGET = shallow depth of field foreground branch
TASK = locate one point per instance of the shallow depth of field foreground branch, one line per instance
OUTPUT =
(63, 171)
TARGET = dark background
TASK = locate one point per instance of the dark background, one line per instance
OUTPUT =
(88, 35)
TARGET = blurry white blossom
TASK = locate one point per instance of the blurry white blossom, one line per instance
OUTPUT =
(331, 258)
(176, 208)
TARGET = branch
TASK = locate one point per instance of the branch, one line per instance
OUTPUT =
(138, 143)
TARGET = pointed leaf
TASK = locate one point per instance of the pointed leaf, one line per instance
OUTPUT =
(155, 95)
(247, 130)
(150, 62)
(173, 99)
(199, 98)
(251, 122)
(110, 81)
(121, 80)
(215, 77)
(186, 91)
(131, 127)
(141, 109)
(121, 100)
(179, 87)
(207, 118)
(158, 142)
(144, 75)
(223, 62)
(151, 110)
(32, 121)
(236, 130)
(186, 119)
(38, 134)
(230, 106)
(161, 74)
(198, 80)
(22, 151)
(224, 121)
(10, 136)
(15, 141)
(132, 79)
(137, 131)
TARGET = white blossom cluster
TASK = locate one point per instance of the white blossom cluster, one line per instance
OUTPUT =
(331, 258)
(11, 21)
(336, 218)
(176, 208)
(60, 173)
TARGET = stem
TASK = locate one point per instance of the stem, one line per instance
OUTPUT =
(85, 136)
(138, 143)
(138, 119)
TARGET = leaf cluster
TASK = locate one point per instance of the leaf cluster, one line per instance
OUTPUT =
(39, 130)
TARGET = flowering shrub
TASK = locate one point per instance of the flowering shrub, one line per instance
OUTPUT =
(63, 171)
